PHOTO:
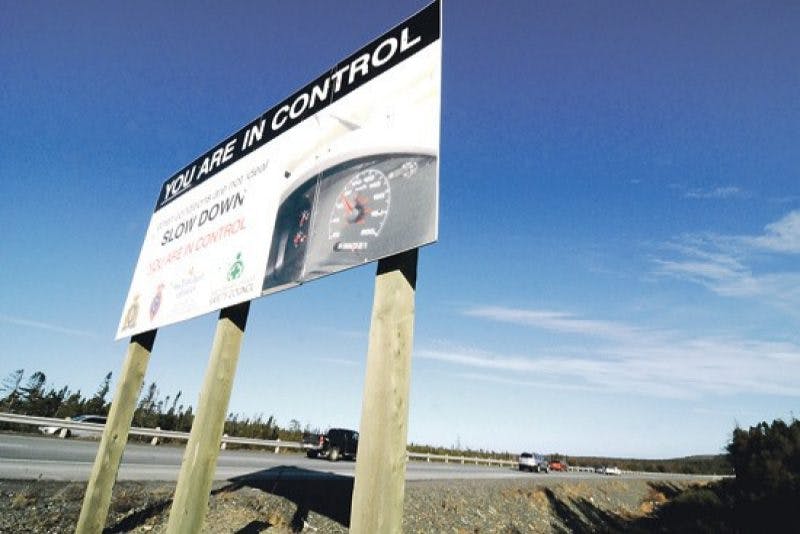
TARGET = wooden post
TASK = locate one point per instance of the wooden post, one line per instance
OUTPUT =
(200, 458)
(377, 505)
(115, 435)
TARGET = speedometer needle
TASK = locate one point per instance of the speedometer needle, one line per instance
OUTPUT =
(347, 204)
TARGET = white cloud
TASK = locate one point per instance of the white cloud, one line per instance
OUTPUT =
(723, 264)
(716, 193)
(781, 236)
(554, 321)
(645, 362)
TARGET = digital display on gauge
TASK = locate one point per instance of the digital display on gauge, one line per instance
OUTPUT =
(360, 211)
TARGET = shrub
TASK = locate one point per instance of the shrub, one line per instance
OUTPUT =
(766, 461)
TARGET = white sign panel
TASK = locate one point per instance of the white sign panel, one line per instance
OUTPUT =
(341, 173)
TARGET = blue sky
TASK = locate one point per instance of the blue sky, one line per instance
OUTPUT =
(618, 266)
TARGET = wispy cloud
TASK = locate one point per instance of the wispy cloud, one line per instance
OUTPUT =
(18, 321)
(719, 193)
(554, 321)
(724, 263)
(781, 236)
(788, 199)
(643, 361)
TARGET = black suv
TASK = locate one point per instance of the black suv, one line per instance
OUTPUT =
(336, 444)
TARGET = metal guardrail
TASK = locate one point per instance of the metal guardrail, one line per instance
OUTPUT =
(427, 457)
(157, 433)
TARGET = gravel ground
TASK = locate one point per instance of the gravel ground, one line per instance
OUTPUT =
(286, 504)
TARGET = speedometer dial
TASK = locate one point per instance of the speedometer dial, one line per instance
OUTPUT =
(360, 211)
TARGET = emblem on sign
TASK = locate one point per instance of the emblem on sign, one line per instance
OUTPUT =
(155, 304)
(132, 314)
(236, 269)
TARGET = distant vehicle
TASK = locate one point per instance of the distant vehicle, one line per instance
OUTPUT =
(533, 462)
(557, 465)
(77, 432)
(338, 443)
(615, 471)
(600, 470)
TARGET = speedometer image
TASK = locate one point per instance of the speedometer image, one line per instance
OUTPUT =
(375, 206)
(360, 211)
(363, 209)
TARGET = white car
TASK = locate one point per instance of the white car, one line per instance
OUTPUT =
(77, 432)
(615, 471)
(533, 462)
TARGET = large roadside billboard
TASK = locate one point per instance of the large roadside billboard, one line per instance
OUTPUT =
(341, 173)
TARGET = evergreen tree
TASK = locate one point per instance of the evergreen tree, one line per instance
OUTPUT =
(10, 387)
(145, 415)
(71, 405)
(766, 460)
(33, 394)
(174, 403)
(97, 405)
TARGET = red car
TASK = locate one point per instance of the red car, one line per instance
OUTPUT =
(556, 465)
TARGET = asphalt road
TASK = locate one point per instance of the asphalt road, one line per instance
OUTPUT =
(51, 458)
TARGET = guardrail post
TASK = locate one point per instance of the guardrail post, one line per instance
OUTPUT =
(64, 432)
(224, 444)
(377, 505)
(154, 441)
(115, 435)
(278, 446)
(190, 503)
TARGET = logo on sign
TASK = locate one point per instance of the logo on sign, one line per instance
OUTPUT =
(132, 314)
(236, 269)
(155, 304)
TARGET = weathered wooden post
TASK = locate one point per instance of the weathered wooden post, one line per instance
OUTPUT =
(190, 504)
(115, 435)
(379, 488)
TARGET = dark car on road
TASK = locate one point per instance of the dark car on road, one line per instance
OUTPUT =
(337, 443)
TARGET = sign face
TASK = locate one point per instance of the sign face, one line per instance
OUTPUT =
(341, 173)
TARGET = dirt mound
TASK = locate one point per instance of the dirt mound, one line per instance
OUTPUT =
(549, 505)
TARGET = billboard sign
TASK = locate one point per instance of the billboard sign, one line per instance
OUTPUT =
(341, 173)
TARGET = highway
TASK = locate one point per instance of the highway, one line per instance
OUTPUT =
(50, 458)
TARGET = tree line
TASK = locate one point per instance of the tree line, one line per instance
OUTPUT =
(693, 465)
(33, 396)
(764, 457)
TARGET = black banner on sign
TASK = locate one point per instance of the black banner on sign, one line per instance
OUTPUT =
(385, 52)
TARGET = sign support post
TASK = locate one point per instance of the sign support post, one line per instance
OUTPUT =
(379, 488)
(97, 499)
(190, 503)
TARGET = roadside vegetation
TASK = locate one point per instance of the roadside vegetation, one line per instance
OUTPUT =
(761, 496)
(692, 465)
(33, 396)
